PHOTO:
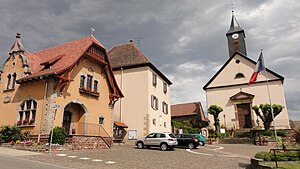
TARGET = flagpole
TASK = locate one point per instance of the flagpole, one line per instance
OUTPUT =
(271, 105)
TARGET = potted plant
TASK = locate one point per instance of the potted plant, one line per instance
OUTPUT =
(25, 121)
(32, 121)
(19, 122)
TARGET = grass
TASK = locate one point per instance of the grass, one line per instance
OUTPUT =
(286, 165)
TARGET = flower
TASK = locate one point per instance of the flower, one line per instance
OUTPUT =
(25, 121)
(19, 122)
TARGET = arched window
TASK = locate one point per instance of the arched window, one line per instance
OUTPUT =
(8, 81)
(239, 76)
(27, 112)
(14, 81)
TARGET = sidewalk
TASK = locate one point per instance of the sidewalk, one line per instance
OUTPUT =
(13, 152)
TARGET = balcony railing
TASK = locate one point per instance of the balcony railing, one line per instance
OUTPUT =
(89, 129)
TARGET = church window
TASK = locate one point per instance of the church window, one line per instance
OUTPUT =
(27, 112)
(239, 76)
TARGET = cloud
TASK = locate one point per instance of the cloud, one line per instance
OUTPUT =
(184, 39)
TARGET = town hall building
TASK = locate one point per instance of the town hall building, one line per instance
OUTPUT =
(229, 88)
(70, 85)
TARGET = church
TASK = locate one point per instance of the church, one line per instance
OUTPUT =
(229, 88)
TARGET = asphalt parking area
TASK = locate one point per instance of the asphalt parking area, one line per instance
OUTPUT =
(129, 157)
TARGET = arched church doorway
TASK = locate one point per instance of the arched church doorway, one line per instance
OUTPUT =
(74, 118)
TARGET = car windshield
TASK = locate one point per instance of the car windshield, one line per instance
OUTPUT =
(171, 135)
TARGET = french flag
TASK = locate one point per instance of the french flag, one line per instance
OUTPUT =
(258, 68)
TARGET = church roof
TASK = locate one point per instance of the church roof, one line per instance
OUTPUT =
(234, 26)
(127, 56)
(227, 62)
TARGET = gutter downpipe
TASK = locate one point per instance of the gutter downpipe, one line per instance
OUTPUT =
(122, 71)
(43, 109)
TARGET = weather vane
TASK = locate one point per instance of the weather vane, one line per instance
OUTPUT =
(92, 31)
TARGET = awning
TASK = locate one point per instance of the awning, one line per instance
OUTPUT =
(120, 124)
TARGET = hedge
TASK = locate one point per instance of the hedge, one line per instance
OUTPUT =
(280, 156)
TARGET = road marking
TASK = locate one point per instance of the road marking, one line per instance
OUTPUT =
(233, 156)
(61, 155)
(217, 147)
(72, 156)
(110, 162)
(97, 160)
(188, 150)
(84, 158)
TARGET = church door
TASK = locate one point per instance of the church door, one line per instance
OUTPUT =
(67, 121)
(244, 115)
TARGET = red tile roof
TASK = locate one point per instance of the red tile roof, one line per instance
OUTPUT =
(120, 124)
(65, 56)
(72, 52)
(125, 55)
(188, 109)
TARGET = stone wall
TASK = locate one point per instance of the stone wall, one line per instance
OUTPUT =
(79, 142)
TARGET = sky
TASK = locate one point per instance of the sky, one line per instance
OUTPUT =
(184, 39)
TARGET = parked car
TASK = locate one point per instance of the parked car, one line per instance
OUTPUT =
(163, 140)
(187, 140)
(202, 140)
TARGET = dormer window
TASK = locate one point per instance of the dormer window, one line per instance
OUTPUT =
(52, 61)
(239, 76)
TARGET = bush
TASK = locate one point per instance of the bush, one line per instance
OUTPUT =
(267, 133)
(59, 135)
(10, 133)
(280, 156)
(281, 133)
(266, 156)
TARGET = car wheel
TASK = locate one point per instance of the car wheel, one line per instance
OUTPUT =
(191, 145)
(164, 147)
(201, 143)
(140, 145)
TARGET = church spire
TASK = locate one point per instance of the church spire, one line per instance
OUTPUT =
(17, 46)
(236, 37)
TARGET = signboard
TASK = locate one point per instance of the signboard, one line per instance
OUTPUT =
(222, 131)
(57, 106)
(132, 134)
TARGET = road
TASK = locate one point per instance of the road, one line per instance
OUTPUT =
(231, 156)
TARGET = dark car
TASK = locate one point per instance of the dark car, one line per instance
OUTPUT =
(187, 140)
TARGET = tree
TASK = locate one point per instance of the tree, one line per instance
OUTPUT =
(215, 111)
(265, 114)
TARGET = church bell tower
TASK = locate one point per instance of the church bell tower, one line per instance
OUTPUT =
(236, 37)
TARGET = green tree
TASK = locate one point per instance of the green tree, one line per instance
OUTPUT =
(215, 111)
(263, 111)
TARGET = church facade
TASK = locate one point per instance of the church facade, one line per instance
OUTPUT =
(229, 88)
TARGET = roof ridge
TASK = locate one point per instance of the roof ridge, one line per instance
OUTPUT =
(186, 103)
(74, 40)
